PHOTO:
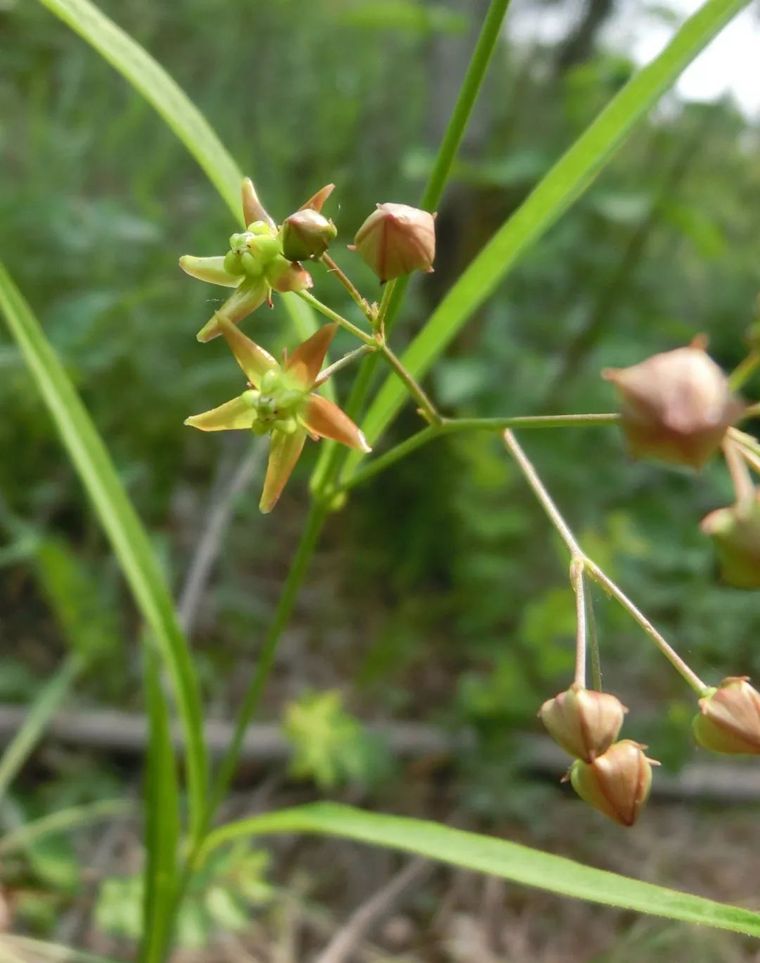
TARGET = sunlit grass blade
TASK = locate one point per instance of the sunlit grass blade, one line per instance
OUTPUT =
(121, 524)
(565, 182)
(162, 824)
(63, 821)
(148, 77)
(46, 703)
(486, 854)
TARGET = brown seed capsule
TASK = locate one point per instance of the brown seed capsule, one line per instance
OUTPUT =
(584, 722)
(729, 718)
(676, 406)
(616, 783)
(736, 533)
(397, 239)
(306, 234)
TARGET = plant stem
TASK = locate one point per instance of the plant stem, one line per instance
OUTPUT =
(460, 115)
(427, 409)
(744, 370)
(543, 495)
(593, 569)
(753, 411)
(741, 479)
(364, 306)
(337, 318)
(343, 362)
(576, 580)
(301, 559)
(596, 662)
(453, 425)
(667, 650)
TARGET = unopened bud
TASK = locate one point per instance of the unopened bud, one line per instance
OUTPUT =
(616, 783)
(306, 234)
(735, 532)
(729, 718)
(397, 239)
(676, 406)
(584, 722)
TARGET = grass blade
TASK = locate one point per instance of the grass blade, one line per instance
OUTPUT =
(43, 707)
(486, 854)
(121, 524)
(63, 821)
(149, 78)
(162, 824)
(565, 182)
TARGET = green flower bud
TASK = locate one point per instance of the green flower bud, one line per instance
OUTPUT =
(729, 718)
(585, 723)
(397, 239)
(676, 406)
(616, 783)
(735, 532)
(306, 234)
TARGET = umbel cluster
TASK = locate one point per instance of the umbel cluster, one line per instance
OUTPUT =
(677, 406)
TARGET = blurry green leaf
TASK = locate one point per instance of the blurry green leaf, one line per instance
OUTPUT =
(488, 854)
(162, 818)
(622, 207)
(697, 225)
(120, 521)
(118, 907)
(329, 745)
(54, 862)
(407, 15)
(78, 596)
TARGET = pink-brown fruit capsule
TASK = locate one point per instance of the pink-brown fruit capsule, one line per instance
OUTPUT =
(616, 783)
(397, 239)
(584, 722)
(735, 532)
(676, 406)
(729, 718)
(306, 234)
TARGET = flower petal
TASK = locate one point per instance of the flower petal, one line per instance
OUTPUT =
(316, 201)
(322, 417)
(284, 452)
(251, 357)
(306, 361)
(209, 269)
(253, 209)
(232, 415)
(245, 299)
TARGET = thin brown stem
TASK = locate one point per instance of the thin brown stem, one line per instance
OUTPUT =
(427, 409)
(576, 580)
(593, 569)
(340, 275)
(337, 318)
(667, 650)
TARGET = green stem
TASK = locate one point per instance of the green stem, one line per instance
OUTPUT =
(577, 553)
(596, 661)
(336, 318)
(427, 409)
(355, 294)
(452, 425)
(301, 559)
(343, 362)
(744, 371)
(753, 411)
(447, 152)
(736, 462)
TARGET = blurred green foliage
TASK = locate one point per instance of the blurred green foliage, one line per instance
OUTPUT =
(439, 589)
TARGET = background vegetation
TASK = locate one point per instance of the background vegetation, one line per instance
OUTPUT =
(437, 595)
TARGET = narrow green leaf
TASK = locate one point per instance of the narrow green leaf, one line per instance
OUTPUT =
(565, 182)
(162, 823)
(149, 78)
(163, 93)
(23, 949)
(63, 821)
(121, 524)
(498, 857)
(44, 706)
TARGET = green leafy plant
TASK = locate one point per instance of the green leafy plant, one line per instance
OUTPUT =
(284, 401)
